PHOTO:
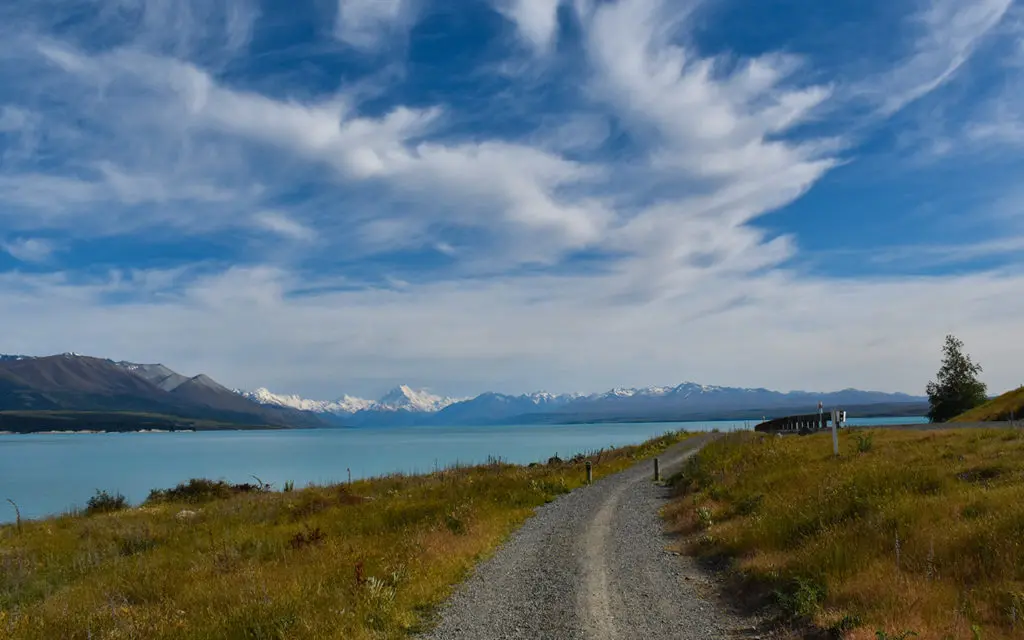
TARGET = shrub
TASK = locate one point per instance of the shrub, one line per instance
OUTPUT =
(307, 504)
(307, 538)
(704, 516)
(750, 504)
(865, 441)
(201, 490)
(103, 502)
(803, 599)
(135, 541)
(844, 625)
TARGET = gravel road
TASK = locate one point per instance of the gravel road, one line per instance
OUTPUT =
(594, 565)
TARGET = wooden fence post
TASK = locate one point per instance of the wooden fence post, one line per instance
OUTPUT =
(590, 473)
(657, 471)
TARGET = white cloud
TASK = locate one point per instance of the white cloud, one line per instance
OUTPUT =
(535, 206)
(250, 327)
(283, 225)
(949, 33)
(536, 20)
(368, 24)
(668, 90)
(47, 193)
(717, 138)
(29, 249)
(508, 185)
(104, 201)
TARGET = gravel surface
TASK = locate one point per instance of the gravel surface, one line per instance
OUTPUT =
(594, 565)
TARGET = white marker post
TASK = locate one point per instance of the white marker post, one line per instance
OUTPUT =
(835, 432)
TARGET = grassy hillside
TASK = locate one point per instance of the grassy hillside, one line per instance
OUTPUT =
(366, 560)
(907, 531)
(1003, 407)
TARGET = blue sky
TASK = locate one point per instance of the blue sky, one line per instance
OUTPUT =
(340, 196)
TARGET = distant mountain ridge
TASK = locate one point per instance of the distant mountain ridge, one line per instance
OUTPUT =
(401, 398)
(404, 406)
(71, 382)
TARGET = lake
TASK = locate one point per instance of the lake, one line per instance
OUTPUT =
(47, 474)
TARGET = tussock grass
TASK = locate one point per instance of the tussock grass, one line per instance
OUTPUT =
(210, 560)
(1004, 407)
(921, 531)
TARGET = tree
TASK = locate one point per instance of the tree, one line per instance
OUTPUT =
(957, 388)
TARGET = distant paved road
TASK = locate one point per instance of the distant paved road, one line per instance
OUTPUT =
(593, 565)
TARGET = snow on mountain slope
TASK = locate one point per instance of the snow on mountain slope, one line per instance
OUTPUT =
(345, 404)
(545, 398)
(622, 392)
(401, 398)
(404, 398)
(158, 374)
(404, 405)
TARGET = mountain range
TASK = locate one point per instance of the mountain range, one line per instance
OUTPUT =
(103, 392)
(686, 401)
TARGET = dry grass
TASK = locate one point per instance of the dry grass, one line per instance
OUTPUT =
(1004, 407)
(917, 531)
(369, 560)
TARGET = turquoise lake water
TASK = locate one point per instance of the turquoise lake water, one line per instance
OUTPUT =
(52, 473)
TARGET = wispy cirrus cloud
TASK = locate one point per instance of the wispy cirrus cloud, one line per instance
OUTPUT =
(948, 33)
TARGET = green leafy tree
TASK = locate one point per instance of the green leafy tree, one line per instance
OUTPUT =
(957, 388)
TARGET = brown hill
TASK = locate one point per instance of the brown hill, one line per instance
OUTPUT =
(71, 382)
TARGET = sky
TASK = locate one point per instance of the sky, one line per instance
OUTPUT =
(339, 196)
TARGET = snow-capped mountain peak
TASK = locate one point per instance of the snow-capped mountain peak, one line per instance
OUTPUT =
(345, 404)
(351, 404)
(624, 392)
(401, 398)
(405, 398)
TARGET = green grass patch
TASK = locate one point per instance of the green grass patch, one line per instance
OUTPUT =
(211, 560)
(906, 531)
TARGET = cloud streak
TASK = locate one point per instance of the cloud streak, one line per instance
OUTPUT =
(284, 226)
(949, 33)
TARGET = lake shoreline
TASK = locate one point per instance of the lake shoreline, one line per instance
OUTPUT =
(51, 473)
